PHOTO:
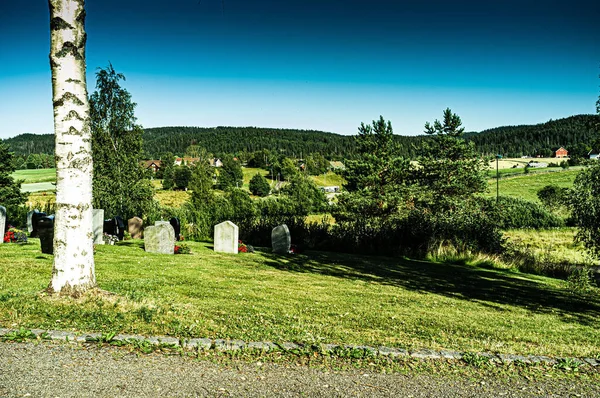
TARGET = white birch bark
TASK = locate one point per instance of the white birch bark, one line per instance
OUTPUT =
(73, 268)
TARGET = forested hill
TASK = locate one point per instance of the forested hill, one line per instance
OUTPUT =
(515, 141)
(511, 141)
(220, 140)
(26, 144)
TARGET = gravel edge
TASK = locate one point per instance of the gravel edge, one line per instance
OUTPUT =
(235, 345)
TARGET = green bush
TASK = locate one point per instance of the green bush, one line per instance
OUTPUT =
(514, 213)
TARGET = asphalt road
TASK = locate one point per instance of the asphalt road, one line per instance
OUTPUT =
(51, 369)
(38, 186)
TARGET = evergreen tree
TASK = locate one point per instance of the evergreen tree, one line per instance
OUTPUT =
(182, 177)
(450, 169)
(11, 196)
(259, 185)
(201, 182)
(117, 149)
(167, 166)
(231, 174)
(376, 181)
(305, 194)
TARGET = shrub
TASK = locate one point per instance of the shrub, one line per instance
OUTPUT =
(518, 213)
(259, 185)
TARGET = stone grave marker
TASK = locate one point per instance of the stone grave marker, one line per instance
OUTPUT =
(134, 227)
(281, 240)
(226, 237)
(159, 238)
(119, 227)
(98, 225)
(2, 221)
(30, 220)
(35, 218)
(174, 221)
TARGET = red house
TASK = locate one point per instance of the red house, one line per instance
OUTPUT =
(561, 153)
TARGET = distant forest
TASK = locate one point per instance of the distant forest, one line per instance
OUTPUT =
(574, 133)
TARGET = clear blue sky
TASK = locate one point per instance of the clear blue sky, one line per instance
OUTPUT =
(317, 64)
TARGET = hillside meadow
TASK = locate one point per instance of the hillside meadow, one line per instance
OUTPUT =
(315, 297)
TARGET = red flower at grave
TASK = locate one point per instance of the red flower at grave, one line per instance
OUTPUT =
(242, 248)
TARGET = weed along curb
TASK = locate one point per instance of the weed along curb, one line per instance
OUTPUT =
(347, 351)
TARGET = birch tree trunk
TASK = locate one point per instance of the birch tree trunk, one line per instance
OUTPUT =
(73, 268)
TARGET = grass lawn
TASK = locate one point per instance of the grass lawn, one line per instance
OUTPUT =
(526, 186)
(35, 175)
(309, 298)
(328, 179)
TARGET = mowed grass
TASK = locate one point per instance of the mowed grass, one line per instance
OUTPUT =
(35, 175)
(316, 297)
(329, 179)
(526, 186)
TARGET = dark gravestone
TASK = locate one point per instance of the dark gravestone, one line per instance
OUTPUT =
(114, 226)
(35, 218)
(120, 227)
(45, 230)
(280, 239)
(109, 226)
(174, 221)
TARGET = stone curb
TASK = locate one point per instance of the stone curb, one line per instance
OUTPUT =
(237, 345)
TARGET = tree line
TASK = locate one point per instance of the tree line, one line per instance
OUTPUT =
(575, 133)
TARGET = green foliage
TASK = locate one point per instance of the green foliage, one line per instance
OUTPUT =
(182, 177)
(230, 175)
(117, 149)
(201, 183)
(518, 213)
(376, 182)
(167, 171)
(553, 196)
(307, 197)
(259, 185)
(450, 168)
(316, 164)
(580, 280)
(585, 208)
(11, 196)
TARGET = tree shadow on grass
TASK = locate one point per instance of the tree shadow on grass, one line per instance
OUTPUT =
(487, 287)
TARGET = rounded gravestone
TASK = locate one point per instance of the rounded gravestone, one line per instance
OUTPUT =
(281, 240)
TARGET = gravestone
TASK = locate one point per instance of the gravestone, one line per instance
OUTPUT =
(35, 217)
(281, 240)
(45, 228)
(174, 221)
(114, 226)
(159, 238)
(226, 237)
(98, 225)
(119, 227)
(2, 222)
(30, 220)
(134, 227)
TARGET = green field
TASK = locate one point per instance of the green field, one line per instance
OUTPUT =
(526, 186)
(316, 297)
(35, 175)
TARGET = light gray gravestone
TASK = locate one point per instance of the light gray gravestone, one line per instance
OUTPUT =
(159, 239)
(98, 226)
(29, 220)
(134, 227)
(2, 222)
(226, 237)
(281, 240)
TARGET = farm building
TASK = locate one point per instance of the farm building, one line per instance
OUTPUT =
(561, 153)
